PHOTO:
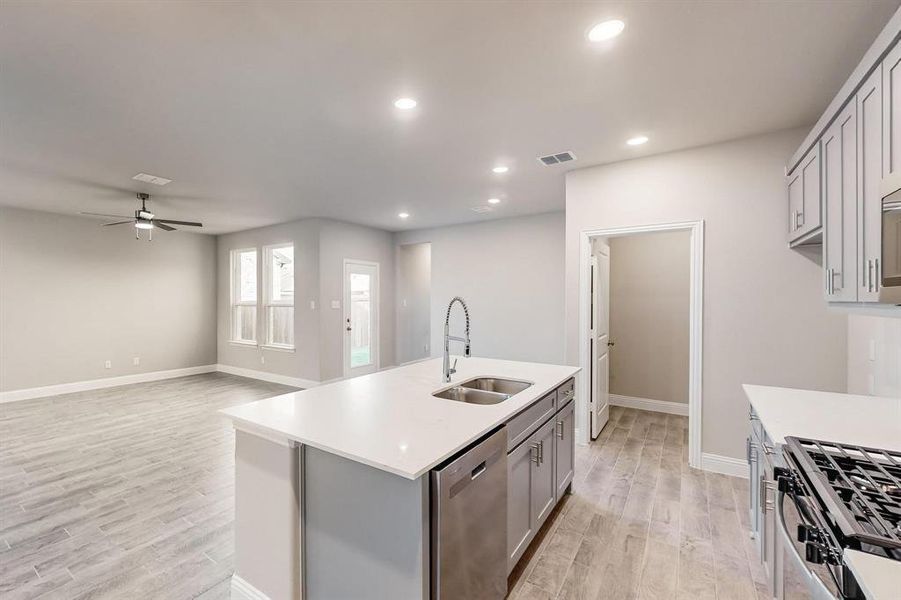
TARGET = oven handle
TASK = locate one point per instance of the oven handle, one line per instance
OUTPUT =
(817, 589)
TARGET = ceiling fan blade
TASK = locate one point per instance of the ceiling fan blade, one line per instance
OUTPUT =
(119, 223)
(186, 223)
(106, 215)
(163, 226)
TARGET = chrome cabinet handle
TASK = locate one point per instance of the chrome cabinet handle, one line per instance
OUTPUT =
(767, 449)
(560, 429)
(761, 493)
(535, 456)
(800, 219)
(869, 275)
(876, 281)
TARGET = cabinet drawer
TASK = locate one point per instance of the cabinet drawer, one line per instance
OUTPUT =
(523, 424)
(565, 393)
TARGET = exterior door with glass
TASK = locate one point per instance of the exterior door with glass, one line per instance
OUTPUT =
(361, 322)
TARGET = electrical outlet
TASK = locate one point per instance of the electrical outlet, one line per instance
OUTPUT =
(108, 364)
(262, 359)
(136, 361)
(872, 350)
(312, 305)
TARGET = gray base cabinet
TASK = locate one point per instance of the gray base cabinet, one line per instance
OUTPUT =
(539, 468)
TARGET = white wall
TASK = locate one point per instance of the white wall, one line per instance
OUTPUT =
(74, 294)
(764, 317)
(649, 305)
(874, 352)
(414, 285)
(510, 271)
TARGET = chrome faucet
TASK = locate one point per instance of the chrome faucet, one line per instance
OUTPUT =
(448, 369)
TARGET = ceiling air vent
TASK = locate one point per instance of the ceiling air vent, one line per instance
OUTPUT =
(154, 179)
(555, 159)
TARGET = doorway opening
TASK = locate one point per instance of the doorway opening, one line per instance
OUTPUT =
(641, 292)
(361, 317)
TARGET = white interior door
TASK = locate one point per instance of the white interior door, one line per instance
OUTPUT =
(361, 318)
(599, 338)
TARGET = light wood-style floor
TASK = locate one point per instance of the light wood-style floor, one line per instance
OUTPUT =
(128, 493)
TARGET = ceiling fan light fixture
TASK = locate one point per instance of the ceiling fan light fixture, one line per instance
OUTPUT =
(143, 224)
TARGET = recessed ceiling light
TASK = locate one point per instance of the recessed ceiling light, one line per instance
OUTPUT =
(494, 200)
(638, 140)
(405, 103)
(500, 169)
(606, 30)
(403, 215)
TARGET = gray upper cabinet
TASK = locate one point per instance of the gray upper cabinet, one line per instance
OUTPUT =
(804, 201)
(869, 182)
(839, 149)
(565, 447)
(891, 113)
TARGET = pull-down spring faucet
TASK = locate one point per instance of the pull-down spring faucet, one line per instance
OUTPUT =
(448, 370)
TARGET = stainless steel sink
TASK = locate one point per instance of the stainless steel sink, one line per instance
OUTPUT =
(483, 390)
(459, 393)
(494, 384)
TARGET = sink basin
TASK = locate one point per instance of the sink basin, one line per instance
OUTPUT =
(495, 384)
(471, 396)
(483, 390)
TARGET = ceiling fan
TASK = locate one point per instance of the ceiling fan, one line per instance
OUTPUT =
(144, 219)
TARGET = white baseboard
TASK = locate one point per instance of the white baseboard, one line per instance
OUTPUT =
(266, 376)
(736, 467)
(97, 384)
(241, 590)
(672, 408)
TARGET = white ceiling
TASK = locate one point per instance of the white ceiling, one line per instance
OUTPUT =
(267, 112)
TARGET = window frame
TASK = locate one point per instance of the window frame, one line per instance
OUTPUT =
(268, 302)
(235, 299)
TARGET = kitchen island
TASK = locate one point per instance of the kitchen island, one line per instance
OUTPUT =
(332, 486)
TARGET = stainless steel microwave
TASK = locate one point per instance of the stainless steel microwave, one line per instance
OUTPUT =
(887, 269)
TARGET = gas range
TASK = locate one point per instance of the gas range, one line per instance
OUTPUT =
(846, 497)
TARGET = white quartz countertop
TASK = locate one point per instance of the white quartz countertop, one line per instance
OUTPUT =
(879, 577)
(872, 421)
(390, 420)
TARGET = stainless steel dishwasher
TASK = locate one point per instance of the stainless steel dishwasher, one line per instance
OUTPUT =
(469, 523)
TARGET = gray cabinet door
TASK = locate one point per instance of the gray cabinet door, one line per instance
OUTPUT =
(839, 148)
(565, 447)
(869, 180)
(519, 501)
(543, 486)
(804, 200)
(891, 112)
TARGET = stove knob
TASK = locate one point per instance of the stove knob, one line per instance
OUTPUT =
(814, 553)
(808, 533)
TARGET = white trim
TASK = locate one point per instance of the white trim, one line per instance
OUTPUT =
(716, 463)
(662, 406)
(97, 384)
(266, 376)
(277, 348)
(243, 343)
(375, 339)
(242, 590)
(696, 316)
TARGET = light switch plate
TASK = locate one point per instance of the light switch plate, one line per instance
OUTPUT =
(312, 305)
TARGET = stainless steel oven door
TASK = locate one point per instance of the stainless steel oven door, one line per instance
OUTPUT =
(797, 579)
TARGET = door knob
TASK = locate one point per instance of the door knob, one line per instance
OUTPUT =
(611, 344)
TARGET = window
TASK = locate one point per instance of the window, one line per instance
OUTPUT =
(244, 295)
(278, 282)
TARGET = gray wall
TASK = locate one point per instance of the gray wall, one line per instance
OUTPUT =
(320, 247)
(74, 294)
(304, 361)
(764, 317)
(510, 272)
(649, 304)
(338, 241)
(414, 285)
